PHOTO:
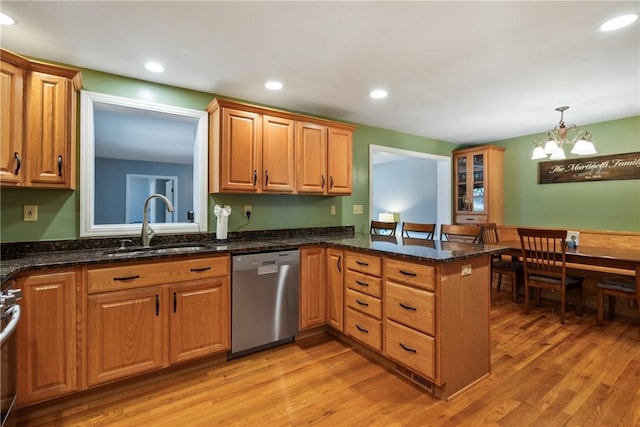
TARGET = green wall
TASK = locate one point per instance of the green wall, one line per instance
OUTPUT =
(597, 205)
(605, 205)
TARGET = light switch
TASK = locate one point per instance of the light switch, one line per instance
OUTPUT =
(333, 209)
(466, 270)
(357, 210)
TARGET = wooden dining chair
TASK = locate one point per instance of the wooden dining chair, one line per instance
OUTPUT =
(544, 261)
(614, 289)
(513, 269)
(460, 233)
(419, 230)
(382, 227)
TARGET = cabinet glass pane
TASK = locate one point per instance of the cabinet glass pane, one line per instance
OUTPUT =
(478, 183)
(463, 201)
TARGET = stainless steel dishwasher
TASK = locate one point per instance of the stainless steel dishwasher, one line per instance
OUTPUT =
(264, 300)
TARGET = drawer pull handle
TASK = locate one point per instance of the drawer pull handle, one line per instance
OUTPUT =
(175, 302)
(157, 305)
(137, 276)
(409, 349)
(362, 283)
(362, 263)
(408, 307)
(197, 270)
(361, 329)
(362, 303)
(408, 273)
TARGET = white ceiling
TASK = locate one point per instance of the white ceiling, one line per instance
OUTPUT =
(462, 72)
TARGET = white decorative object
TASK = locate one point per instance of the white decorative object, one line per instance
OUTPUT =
(222, 213)
(573, 239)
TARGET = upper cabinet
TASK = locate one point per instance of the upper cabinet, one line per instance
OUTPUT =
(478, 185)
(38, 145)
(262, 150)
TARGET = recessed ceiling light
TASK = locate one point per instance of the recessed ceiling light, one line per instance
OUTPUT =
(273, 85)
(378, 94)
(6, 19)
(619, 22)
(154, 67)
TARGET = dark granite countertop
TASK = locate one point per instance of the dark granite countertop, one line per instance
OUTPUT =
(410, 249)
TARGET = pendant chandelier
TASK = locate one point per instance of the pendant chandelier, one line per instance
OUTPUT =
(559, 136)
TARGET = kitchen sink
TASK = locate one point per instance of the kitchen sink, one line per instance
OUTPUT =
(124, 253)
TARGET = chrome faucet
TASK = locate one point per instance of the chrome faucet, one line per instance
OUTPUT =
(147, 231)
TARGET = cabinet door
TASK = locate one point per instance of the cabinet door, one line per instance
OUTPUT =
(462, 189)
(50, 131)
(199, 319)
(240, 157)
(11, 117)
(339, 161)
(124, 333)
(477, 183)
(312, 287)
(47, 337)
(335, 289)
(311, 153)
(278, 154)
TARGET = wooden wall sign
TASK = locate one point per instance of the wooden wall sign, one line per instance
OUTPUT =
(598, 168)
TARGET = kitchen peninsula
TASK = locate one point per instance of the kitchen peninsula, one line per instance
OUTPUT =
(420, 308)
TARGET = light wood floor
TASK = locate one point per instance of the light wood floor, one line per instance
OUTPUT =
(544, 374)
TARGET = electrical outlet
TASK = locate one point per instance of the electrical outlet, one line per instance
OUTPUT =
(358, 210)
(247, 210)
(333, 209)
(30, 213)
(466, 270)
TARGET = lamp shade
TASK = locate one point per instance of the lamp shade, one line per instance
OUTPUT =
(584, 147)
(538, 153)
(558, 154)
(385, 217)
(550, 147)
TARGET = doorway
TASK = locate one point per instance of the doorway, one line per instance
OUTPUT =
(139, 187)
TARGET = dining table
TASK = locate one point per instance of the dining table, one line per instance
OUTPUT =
(619, 258)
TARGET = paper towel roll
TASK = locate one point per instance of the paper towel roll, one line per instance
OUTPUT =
(222, 214)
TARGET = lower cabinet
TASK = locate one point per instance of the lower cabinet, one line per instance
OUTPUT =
(313, 299)
(46, 346)
(132, 330)
(335, 289)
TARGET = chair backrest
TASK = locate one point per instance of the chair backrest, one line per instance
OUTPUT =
(380, 227)
(424, 231)
(543, 252)
(460, 233)
(489, 234)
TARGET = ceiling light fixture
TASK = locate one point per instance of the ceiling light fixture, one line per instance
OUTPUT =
(558, 136)
(378, 94)
(273, 85)
(6, 19)
(619, 22)
(154, 67)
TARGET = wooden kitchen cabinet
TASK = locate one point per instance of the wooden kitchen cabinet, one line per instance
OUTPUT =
(335, 288)
(46, 349)
(313, 309)
(325, 158)
(478, 185)
(144, 316)
(363, 299)
(42, 147)
(199, 319)
(256, 149)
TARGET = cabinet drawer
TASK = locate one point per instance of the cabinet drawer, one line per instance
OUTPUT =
(410, 348)
(361, 282)
(364, 303)
(410, 306)
(471, 219)
(155, 273)
(369, 264)
(364, 328)
(422, 276)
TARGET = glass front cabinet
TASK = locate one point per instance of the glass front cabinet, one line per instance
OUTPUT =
(478, 185)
